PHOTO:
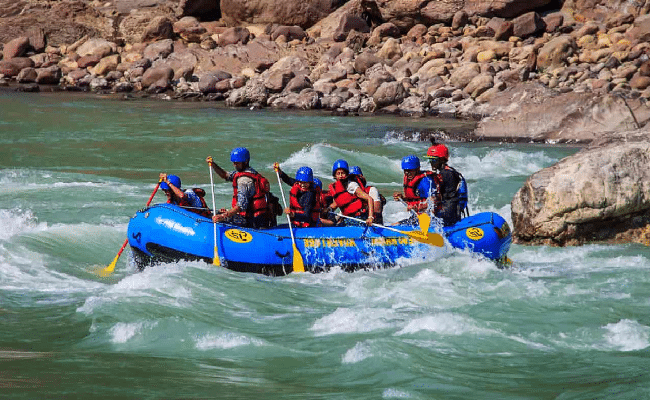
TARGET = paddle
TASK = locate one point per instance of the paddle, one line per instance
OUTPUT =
(215, 259)
(430, 238)
(298, 264)
(111, 267)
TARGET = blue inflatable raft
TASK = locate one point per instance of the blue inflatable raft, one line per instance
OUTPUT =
(168, 233)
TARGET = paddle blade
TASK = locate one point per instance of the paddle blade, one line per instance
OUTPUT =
(216, 261)
(298, 264)
(425, 221)
(430, 238)
(111, 267)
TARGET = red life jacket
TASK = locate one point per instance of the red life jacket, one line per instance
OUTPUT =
(411, 196)
(349, 204)
(295, 206)
(258, 204)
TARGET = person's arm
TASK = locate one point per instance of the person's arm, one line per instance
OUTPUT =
(285, 178)
(220, 171)
(245, 193)
(177, 192)
(427, 189)
(371, 205)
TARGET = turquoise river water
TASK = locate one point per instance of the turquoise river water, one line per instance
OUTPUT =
(562, 323)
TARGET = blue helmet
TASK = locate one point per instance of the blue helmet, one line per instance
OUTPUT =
(410, 162)
(173, 179)
(318, 183)
(340, 164)
(304, 174)
(240, 154)
(356, 170)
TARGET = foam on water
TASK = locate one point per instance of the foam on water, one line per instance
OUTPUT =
(18, 221)
(627, 335)
(318, 157)
(359, 352)
(444, 324)
(122, 332)
(347, 320)
(500, 163)
(224, 340)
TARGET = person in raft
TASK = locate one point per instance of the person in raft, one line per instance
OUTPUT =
(349, 195)
(419, 186)
(372, 192)
(192, 199)
(306, 200)
(249, 206)
(453, 188)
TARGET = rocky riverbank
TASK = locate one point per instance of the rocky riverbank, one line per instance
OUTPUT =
(525, 71)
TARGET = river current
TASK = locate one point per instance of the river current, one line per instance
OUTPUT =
(562, 323)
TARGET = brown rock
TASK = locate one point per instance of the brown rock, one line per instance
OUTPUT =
(462, 76)
(459, 20)
(160, 49)
(553, 21)
(106, 65)
(233, 36)
(37, 39)
(11, 67)
(384, 30)
(364, 61)
(527, 25)
(16, 48)
(417, 32)
(27, 75)
(640, 82)
(389, 93)
(97, 46)
(159, 28)
(644, 69)
(88, 61)
(504, 31)
(347, 23)
(598, 194)
(556, 52)
(301, 13)
(48, 76)
(159, 77)
(290, 32)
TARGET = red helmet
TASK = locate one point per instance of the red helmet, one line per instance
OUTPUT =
(438, 150)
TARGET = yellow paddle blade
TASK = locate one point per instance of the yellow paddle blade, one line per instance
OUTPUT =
(111, 267)
(298, 264)
(430, 238)
(425, 221)
(216, 261)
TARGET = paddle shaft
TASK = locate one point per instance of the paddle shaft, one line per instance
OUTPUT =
(111, 266)
(433, 239)
(298, 264)
(362, 221)
(215, 259)
(284, 201)
(146, 205)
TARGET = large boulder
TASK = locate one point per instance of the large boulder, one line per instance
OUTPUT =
(602, 193)
(408, 13)
(533, 111)
(302, 13)
(16, 48)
